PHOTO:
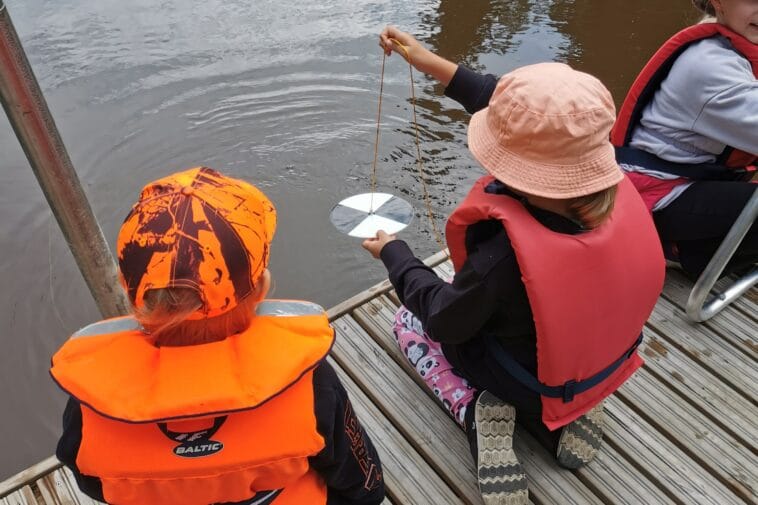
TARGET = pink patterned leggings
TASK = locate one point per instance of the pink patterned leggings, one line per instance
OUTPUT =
(426, 356)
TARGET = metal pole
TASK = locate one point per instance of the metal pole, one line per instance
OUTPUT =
(697, 308)
(36, 131)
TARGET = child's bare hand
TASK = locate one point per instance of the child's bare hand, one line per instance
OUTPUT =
(376, 244)
(420, 57)
(410, 43)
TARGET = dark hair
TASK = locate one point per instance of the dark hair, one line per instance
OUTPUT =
(705, 6)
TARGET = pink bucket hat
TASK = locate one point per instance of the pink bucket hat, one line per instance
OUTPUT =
(545, 132)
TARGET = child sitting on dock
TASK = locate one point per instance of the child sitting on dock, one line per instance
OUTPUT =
(209, 393)
(557, 267)
(688, 134)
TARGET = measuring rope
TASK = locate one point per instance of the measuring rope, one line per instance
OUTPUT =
(419, 160)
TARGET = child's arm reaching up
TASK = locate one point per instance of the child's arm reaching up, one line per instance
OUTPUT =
(466, 87)
(420, 57)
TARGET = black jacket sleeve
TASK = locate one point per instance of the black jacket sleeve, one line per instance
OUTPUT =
(455, 312)
(68, 448)
(349, 462)
(470, 89)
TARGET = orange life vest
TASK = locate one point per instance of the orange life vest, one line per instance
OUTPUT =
(196, 425)
(590, 295)
(647, 83)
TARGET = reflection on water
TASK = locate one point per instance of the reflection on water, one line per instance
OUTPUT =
(613, 39)
(282, 93)
(465, 30)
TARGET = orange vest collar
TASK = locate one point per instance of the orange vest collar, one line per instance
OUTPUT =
(121, 375)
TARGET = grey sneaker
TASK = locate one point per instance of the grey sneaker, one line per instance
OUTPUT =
(502, 480)
(581, 439)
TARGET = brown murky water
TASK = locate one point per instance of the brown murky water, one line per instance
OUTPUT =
(279, 92)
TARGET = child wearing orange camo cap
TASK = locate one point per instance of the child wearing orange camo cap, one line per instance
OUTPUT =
(209, 393)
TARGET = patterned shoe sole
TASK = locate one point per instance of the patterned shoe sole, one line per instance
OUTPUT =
(581, 439)
(502, 480)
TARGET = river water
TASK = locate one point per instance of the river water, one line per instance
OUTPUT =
(282, 93)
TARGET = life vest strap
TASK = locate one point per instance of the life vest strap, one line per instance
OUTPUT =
(570, 388)
(694, 171)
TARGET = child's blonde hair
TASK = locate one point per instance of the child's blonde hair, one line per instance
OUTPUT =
(705, 6)
(165, 312)
(591, 210)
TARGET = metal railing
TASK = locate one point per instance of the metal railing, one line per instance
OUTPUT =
(30, 118)
(698, 309)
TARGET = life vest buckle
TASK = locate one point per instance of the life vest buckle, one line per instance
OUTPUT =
(568, 391)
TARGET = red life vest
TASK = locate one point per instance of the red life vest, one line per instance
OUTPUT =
(656, 70)
(194, 425)
(590, 293)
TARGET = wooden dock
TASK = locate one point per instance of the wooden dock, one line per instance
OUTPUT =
(683, 430)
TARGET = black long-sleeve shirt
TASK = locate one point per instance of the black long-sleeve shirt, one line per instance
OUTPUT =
(486, 296)
(348, 463)
(470, 89)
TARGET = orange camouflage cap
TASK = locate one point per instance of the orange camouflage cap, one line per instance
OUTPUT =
(197, 229)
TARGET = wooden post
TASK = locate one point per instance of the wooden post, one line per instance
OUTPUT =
(30, 118)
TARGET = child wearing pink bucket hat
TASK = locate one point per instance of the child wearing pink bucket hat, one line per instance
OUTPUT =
(557, 268)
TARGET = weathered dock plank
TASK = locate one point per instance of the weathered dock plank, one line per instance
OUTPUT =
(29, 475)
(706, 348)
(731, 324)
(677, 372)
(747, 303)
(435, 435)
(612, 477)
(22, 496)
(661, 460)
(59, 488)
(696, 434)
(409, 479)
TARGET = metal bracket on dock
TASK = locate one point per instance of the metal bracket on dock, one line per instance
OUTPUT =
(697, 308)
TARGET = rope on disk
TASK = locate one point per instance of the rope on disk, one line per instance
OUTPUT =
(419, 159)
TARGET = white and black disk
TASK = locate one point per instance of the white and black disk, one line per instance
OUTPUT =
(363, 215)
